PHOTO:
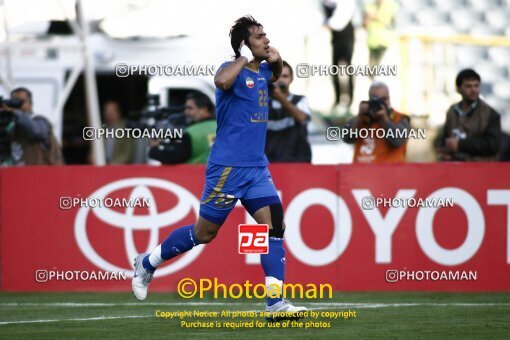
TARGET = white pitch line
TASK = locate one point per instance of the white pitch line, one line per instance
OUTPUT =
(314, 305)
(121, 304)
(193, 304)
(76, 319)
(410, 304)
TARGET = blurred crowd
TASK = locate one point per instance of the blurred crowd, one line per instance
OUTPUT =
(471, 130)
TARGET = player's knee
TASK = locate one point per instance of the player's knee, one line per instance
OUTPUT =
(206, 237)
(278, 226)
(206, 234)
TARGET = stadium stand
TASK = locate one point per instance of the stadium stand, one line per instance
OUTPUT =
(476, 18)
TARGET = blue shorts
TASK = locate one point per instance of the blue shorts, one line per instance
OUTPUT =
(224, 185)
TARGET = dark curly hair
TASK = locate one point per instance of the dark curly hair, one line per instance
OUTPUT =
(241, 31)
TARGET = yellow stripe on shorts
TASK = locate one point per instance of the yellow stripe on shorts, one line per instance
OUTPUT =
(219, 186)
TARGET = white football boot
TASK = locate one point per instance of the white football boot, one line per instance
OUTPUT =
(284, 310)
(141, 279)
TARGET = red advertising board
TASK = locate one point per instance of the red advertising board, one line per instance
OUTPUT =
(332, 235)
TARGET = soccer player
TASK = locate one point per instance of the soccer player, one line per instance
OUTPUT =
(237, 165)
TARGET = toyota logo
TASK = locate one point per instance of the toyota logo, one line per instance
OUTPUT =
(130, 223)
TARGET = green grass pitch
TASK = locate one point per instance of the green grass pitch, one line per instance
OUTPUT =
(378, 315)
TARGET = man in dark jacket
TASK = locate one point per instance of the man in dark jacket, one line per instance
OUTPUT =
(472, 130)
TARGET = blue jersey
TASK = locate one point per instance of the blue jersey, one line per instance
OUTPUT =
(242, 114)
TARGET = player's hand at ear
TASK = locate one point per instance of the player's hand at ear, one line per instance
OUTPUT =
(246, 52)
(273, 55)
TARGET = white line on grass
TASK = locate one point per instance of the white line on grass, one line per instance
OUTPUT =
(117, 304)
(193, 304)
(76, 319)
(314, 305)
(410, 304)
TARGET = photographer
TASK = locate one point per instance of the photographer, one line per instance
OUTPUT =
(377, 113)
(287, 135)
(195, 145)
(28, 137)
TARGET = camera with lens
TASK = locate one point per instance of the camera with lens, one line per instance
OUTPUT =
(374, 106)
(7, 115)
(271, 87)
(156, 117)
(11, 102)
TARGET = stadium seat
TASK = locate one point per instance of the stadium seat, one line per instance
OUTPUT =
(497, 19)
(502, 89)
(464, 19)
(490, 72)
(482, 5)
(431, 18)
(469, 56)
(484, 30)
(405, 19)
(449, 5)
(500, 55)
(415, 5)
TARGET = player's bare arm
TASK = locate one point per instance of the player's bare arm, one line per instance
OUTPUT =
(227, 75)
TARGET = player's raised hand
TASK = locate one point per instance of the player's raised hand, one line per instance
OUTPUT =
(274, 55)
(246, 52)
